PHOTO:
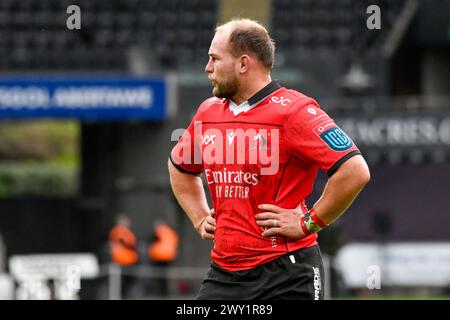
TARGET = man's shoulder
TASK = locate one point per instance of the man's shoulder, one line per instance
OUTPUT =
(299, 99)
(303, 109)
(210, 103)
(293, 100)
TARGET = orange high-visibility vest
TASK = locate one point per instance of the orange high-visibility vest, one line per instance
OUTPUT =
(165, 248)
(124, 235)
(122, 243)
(122, 255)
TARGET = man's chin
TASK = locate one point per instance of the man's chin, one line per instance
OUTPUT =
(218, 94)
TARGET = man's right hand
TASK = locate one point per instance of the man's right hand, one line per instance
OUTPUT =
(208, 226)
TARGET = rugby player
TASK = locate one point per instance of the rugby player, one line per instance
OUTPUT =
(259, 146)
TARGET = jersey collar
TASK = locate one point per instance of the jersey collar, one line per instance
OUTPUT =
(255, 99)
(264, 92)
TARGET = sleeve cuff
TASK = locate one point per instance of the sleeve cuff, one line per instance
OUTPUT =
(336, 166)
(181, 169)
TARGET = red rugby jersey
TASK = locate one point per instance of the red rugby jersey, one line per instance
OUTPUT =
(269, 154)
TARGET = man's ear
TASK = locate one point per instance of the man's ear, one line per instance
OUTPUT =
(244, 63)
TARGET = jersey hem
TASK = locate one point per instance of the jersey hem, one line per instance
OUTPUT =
(249, 267)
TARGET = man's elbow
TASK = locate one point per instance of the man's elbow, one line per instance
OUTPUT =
(363, 171)
(365, 176)
(356, 170)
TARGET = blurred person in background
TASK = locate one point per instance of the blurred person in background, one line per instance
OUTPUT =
(122, 242)
(265, 236)
(122, 246)
(162, 252)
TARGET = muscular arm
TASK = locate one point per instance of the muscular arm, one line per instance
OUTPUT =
(189, 192)
(342, 188)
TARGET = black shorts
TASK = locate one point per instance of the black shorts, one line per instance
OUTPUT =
(296, 275)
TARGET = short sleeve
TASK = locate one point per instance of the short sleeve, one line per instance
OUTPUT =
(312, 135)
(186, 155)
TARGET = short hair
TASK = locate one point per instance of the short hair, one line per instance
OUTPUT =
(249, 36)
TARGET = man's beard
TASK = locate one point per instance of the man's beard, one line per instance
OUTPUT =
(225, 89)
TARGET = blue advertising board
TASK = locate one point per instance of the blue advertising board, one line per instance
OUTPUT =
(84, 97)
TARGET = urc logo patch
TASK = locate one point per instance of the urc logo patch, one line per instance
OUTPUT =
(336, 139)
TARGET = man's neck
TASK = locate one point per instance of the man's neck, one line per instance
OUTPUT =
(247, 91)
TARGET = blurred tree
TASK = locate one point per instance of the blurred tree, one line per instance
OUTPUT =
(39, 140)
(39, 158)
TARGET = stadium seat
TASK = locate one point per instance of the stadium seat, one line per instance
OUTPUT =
(327, 26)
(108, 28)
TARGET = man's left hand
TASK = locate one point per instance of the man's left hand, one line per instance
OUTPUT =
(279, 221)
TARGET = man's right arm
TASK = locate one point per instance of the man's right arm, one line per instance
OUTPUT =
(189, 192)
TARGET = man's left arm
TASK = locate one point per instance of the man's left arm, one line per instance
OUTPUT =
(342, 188)
(340, 191)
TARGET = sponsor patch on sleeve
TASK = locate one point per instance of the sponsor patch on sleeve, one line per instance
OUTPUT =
(334, 137)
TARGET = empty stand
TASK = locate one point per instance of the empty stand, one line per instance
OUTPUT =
(175, 33)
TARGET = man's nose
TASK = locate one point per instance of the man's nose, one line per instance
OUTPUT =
(208, 67)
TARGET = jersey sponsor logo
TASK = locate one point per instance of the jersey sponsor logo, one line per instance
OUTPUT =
(259, 142)
(316, 118)
(231, 136)
(281, 100)
(312, 111)
(336, 139)
(226, 176)
(231, 184)
(209, 139)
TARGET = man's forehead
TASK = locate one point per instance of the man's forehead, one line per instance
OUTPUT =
(219, 43)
